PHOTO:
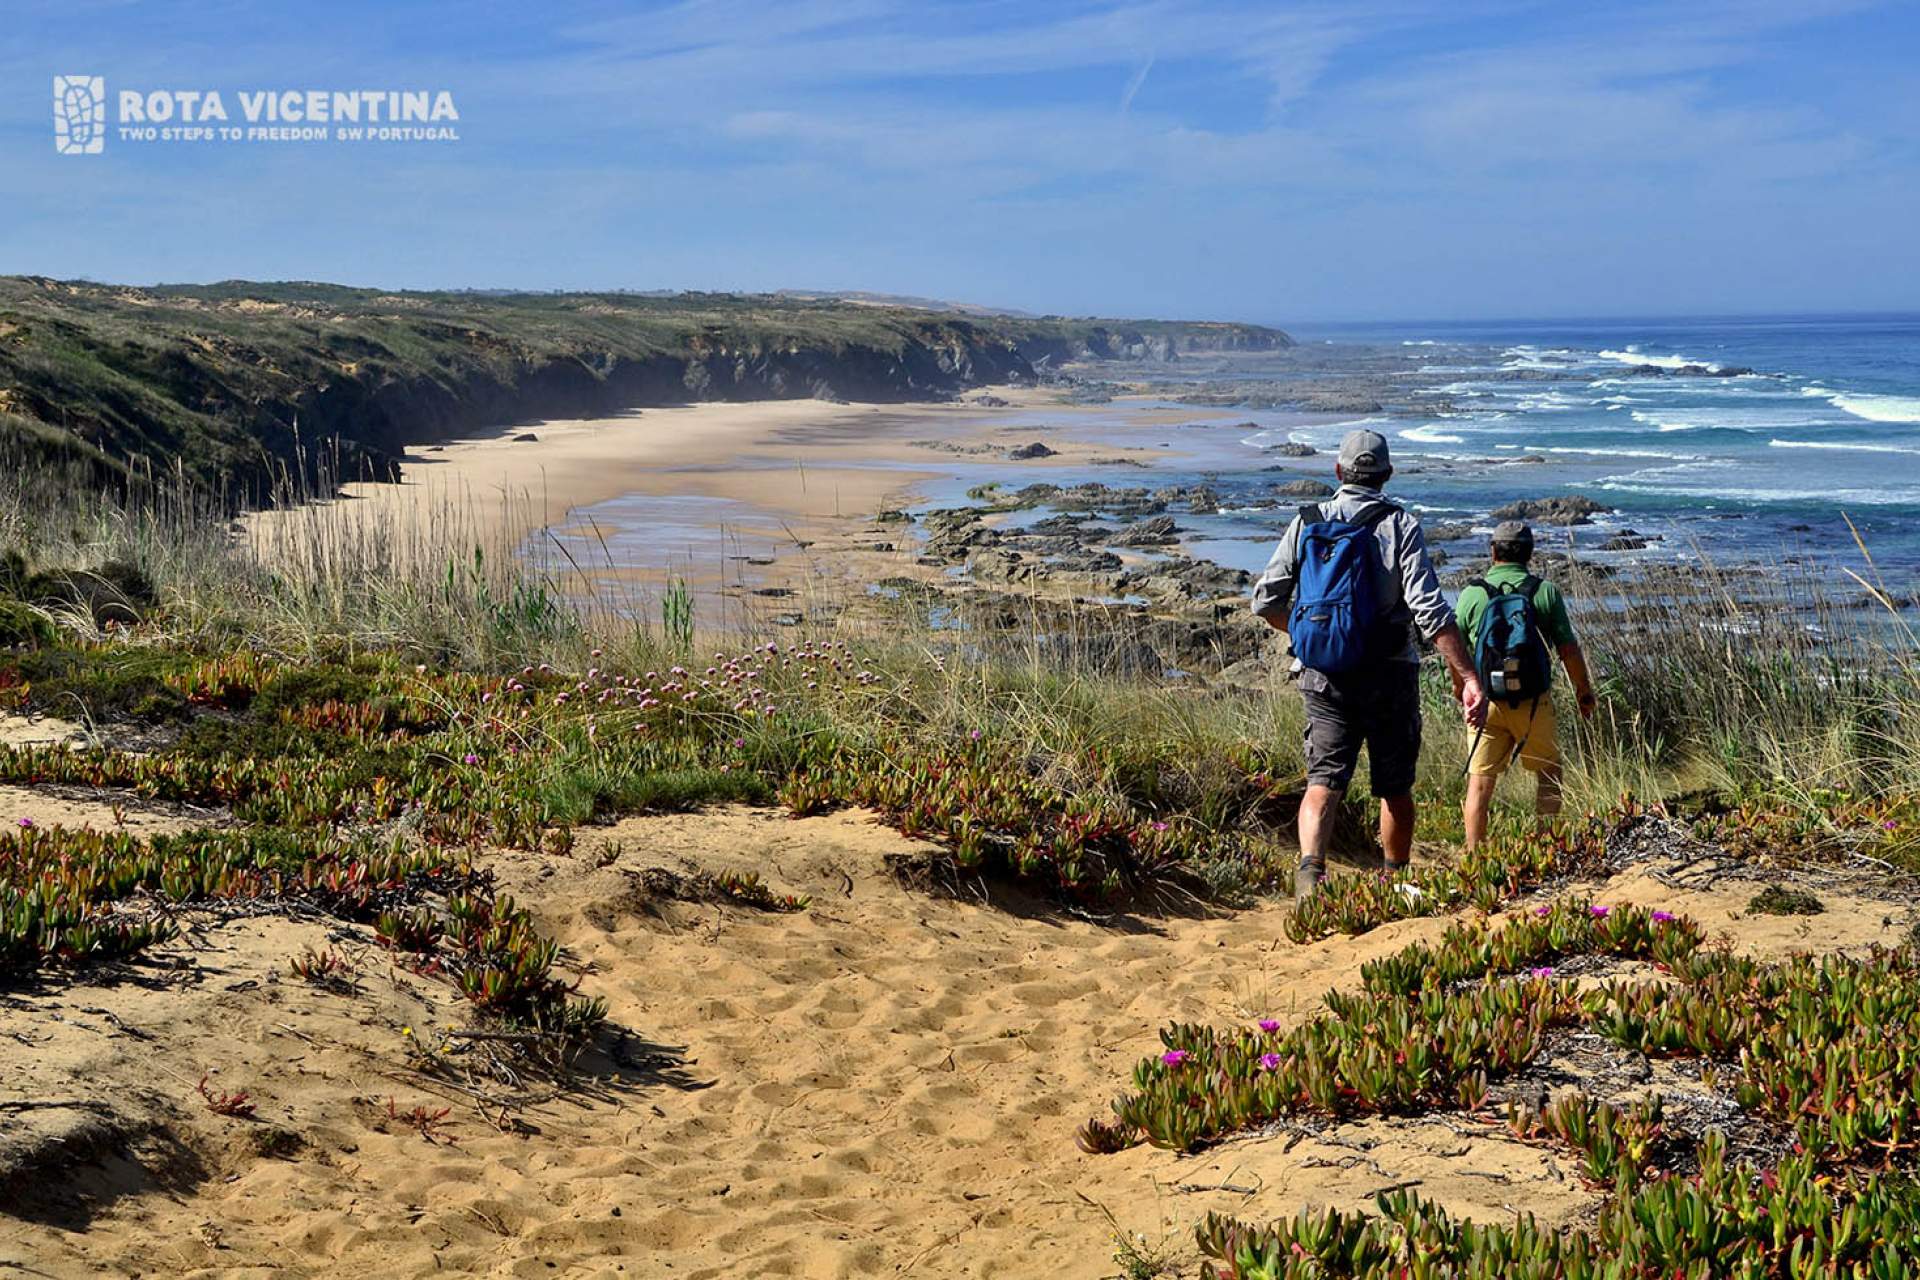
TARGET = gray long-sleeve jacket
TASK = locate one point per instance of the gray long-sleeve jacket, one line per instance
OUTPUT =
(1408, 581)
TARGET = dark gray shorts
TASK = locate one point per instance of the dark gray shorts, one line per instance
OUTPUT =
(1378, 708)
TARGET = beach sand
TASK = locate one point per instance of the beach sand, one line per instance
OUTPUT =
(886, 1084)
(781, 471)
(764, 499)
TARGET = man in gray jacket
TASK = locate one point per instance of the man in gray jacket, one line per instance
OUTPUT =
(1377, 704)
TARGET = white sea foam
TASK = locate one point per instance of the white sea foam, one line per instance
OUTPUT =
(1633, 355)
(1841, 444)
(1671, 420)
(1600, 452)
(1430, 433)
(1527, 356)
(1851, 497)
(1707, 481)
(1872, 407)
(1698, 419)
(1420, 342)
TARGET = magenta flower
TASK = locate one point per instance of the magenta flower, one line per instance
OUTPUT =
(1544, 971)
(1543, 911)
(1174, 1057)
(1269, 1025)
(1663, 917)
(1889, 825)
(975, 735)
(1159, 826)
(471, 758)
(26, 824)
(1598, 910)
(1269, 1062)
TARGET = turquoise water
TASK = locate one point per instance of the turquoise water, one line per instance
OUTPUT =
(1828, 422)
(1759, 469)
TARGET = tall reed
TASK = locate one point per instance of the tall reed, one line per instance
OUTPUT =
(1769, 681)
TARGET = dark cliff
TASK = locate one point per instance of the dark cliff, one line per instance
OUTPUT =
(240, 384)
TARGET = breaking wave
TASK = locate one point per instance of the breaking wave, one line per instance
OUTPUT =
(1633, 355)
(1862, 404)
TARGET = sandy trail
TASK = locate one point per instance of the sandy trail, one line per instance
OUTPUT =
(885, 1084)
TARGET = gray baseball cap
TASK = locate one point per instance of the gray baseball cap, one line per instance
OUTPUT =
(1513, 531)
(1364, 453)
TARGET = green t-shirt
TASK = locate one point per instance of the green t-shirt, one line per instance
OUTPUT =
(1550, 606)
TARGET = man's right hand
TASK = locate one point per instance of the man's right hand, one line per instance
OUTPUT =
(1473, 701)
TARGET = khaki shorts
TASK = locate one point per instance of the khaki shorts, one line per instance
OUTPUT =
(1529, 727)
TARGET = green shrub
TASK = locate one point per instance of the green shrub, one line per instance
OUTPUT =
(1784, 900)
(24, 625)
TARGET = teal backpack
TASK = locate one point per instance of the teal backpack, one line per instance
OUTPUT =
(1510, 654)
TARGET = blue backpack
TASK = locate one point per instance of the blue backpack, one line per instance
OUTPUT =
(1335, 624)
(1510, 655)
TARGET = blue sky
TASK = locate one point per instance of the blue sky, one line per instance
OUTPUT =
(1282, 162)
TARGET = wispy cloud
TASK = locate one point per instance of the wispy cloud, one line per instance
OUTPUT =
(1198, 155)
(1134, 84)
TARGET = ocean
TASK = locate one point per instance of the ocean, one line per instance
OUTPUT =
(1757, 469)
(1761, 464)
(1749, 442)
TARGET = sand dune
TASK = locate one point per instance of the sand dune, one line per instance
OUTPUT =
(885, 1084)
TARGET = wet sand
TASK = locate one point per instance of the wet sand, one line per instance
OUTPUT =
(759, 479)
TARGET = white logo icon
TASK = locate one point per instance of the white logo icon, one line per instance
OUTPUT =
(79, 115)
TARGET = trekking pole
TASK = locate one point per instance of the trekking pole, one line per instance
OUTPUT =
(1521, 745)
(1478, 734)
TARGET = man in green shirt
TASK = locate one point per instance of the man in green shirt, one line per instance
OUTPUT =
(1521, 728)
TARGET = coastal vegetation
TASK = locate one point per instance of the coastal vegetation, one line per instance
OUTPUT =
(239, 385)
(362, 719)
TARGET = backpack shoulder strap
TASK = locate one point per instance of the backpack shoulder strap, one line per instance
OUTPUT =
(1374, 514)
(1310, 514)
(1529, 587)
(1483, 585)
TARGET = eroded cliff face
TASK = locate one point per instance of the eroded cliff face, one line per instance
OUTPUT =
(247, 384)
(376, 419)
(358, 425)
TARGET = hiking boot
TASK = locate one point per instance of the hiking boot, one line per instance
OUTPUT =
(1306, 879)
